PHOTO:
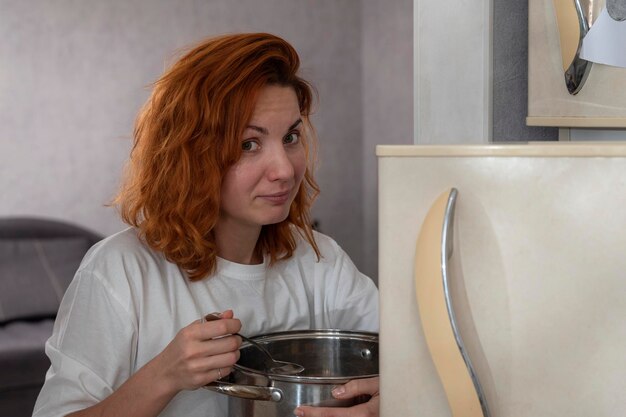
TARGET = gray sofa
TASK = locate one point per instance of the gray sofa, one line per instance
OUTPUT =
(38, 259)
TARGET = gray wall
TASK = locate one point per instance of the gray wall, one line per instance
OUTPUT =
(510, 75)
(387, 100)
(73, 75)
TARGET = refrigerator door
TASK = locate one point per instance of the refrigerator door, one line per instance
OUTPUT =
(539, 240)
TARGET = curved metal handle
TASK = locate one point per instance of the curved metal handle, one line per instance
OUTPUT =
(433, 253)
(446, 254)
(250, 392)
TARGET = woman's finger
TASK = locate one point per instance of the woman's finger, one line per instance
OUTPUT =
(220, 373)
(221, 360)
(220, 345)
(356, 387)
(202, 371)
(368, 409)
(227, 314)
(218, 328)
(352, 389)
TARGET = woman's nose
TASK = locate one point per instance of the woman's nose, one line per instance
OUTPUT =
(280, 166)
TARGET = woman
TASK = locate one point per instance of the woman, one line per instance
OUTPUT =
(218, 193)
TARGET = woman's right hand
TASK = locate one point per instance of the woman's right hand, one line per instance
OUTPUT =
(200, 353)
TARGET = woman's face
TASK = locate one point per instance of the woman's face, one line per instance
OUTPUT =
(259, 188)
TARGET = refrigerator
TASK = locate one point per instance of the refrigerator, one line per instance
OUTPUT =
(531, 242)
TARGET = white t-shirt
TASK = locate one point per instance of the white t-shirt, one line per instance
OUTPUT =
(127, 302)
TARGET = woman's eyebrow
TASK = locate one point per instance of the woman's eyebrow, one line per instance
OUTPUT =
(295, 124)
(264, 131)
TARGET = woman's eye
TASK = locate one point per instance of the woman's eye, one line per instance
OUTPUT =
(293, 137)
(249, 145)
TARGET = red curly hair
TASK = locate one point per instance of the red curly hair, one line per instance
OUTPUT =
(187, 136)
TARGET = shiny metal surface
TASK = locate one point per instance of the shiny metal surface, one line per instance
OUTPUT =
(273, 365)
(330, 357)
(576, 74)
(327, 355)
(587, 12)
(446, 254)
(246, 391)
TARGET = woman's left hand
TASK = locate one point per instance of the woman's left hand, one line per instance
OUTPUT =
(352, 389)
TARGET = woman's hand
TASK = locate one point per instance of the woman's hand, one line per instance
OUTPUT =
(352, 389)
(200, 353)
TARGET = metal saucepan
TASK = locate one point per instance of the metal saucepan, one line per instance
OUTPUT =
(329, 357)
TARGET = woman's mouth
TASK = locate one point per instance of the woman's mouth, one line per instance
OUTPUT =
(276, 198)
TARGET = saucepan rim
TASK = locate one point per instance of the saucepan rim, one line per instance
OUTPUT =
(309, 334)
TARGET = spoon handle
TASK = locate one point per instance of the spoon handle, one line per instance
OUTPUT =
(271, 365)
(216, 316)
(258, 346)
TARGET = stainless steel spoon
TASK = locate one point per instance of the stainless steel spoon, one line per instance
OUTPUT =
(272, 365)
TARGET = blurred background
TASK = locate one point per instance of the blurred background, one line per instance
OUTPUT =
(74, 73)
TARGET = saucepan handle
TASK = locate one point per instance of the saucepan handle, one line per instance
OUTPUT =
(250, 392)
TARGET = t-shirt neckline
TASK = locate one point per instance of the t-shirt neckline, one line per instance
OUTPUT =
(242, 271)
